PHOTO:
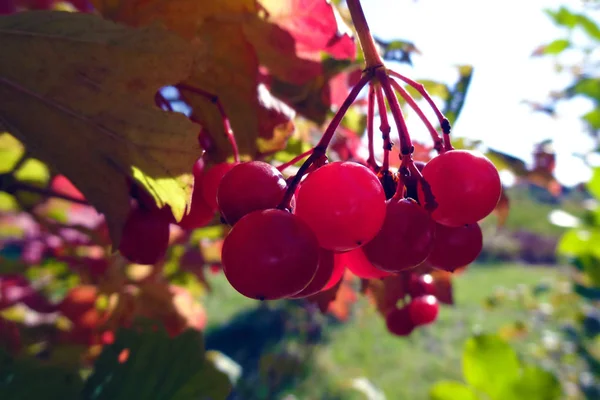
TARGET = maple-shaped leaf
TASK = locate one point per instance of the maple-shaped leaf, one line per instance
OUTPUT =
(144, 363)
(79, 90)
(51, 382)
(184, 17)
(291, 35)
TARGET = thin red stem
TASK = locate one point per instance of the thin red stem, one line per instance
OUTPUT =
(385, 129)
(372, 57)
(421, 89)
(438, 142)
(321, 148)
(406, 146)
(295, 160)
(226, 125)
(443, 121)
(370, 116)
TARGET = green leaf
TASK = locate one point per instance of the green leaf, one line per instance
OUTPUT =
(563, 17)
(589, 26)
(556, 46)
(17, 379)
(594, 184)
(574, 242)
(458, 94)
(449, 390)
(589, 87)
(490, 364)
(593, 118)
(105, 127)
(157, 367)
(534, 384)
(11, 151)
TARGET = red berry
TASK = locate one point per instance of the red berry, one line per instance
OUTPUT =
(322, 277)
(146, 235)
(405, 239)
(338, 273)
(211, 179)
(269, 255)
(356, 261)
(465, 184)
(343, 203)
(421, 285)
(398, 322)
(423, 310)
(248, 187)
(455, 247)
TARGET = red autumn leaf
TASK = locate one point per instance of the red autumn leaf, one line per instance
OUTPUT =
(341, 84)
(293, 33)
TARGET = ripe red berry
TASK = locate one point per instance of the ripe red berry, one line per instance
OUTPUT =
(455, 247)
(343, 203)
(423, 310)
(421, 285)
(405, 239)
(146, 235)
(398, 322)
(211, 179)
(270, 254)
(338, 272)
(356, 261)
(465, 184)
(248, 187)
(322, 277)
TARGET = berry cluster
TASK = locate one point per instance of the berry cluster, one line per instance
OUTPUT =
(340, 218)
(295, 237)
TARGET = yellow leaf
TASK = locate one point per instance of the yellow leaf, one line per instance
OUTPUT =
(78, 91)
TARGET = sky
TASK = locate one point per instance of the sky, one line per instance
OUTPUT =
(497, 38)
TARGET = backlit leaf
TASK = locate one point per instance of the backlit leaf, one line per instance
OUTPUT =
(105, 127)
(490, 364)
(449, 390)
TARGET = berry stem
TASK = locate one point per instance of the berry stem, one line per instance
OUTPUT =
(443, 121)
(370, 116)
(438, 142)
(406, 146)
(321, 148)
(385, 129)
(295, 160)
(226, 125)
(421, 89)
(372, 57)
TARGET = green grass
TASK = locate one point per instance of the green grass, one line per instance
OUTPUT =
(403, 368)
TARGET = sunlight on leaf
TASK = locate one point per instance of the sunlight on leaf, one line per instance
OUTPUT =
(106, 125)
